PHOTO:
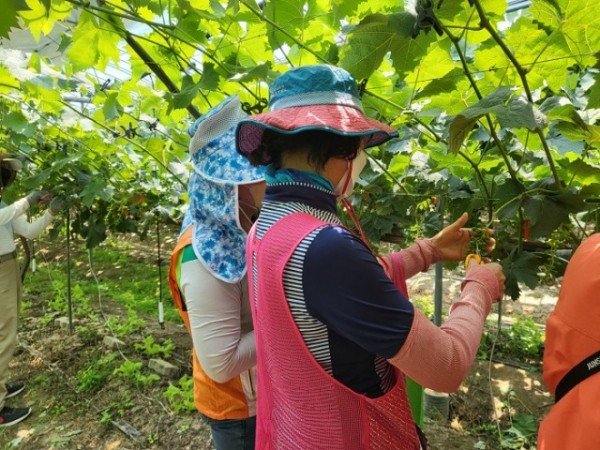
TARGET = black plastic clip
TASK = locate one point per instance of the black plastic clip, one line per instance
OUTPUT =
(258, 108)
(130, 132)
(362, 87)
(105, 85)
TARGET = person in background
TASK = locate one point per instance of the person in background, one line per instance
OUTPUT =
(13, 221)
(208, 276)
(335, 332)
(572, 356)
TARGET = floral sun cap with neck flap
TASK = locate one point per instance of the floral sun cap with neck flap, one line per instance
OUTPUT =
(218, 239)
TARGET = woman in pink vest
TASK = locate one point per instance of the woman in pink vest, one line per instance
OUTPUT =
(334, 333)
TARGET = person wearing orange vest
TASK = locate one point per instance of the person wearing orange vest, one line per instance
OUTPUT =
(572, 356)
(207, 276)
(335, 333)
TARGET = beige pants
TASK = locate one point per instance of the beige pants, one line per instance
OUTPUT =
(10, 296)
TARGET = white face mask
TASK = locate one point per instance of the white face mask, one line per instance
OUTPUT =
(345, 186)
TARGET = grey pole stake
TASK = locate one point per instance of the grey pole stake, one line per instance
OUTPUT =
(437, 404)
(439, 273)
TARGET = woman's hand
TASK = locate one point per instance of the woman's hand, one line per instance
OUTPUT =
(498, 272)
(45, 198)
(453, 241)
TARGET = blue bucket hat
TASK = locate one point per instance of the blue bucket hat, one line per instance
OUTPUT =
(218, 239)
(318, 97)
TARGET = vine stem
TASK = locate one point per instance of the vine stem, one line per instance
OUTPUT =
(10, 86)
(479, 175)
(132, 142)
(88, 5)
(67, 137)
(469, 75)
(166, 32)
(520, 197)
(148, 60)
(387, 172)
(522, 72)
(490, 365)
(161, 318)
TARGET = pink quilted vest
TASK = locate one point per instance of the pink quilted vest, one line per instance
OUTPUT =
(300, 406)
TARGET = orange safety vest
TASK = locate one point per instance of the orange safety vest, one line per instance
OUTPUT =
(572, 335)
(218, 401)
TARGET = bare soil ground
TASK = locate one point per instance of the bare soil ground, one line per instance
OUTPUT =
(48, 360)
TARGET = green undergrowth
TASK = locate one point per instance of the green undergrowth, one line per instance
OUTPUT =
(181, 395)
(124, 276)
(522, 341)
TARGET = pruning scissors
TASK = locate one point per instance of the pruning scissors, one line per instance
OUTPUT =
(473, 257)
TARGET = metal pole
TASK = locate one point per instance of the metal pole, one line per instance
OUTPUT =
(437, 404)
(69, 298)
(517, 5)
(439, 273)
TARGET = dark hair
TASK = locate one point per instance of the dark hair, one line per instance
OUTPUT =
(7, 177)
(321, 146)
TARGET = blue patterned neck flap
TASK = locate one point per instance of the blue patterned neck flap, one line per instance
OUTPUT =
(218, 238)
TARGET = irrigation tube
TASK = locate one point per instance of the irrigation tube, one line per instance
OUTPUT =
(161, 310)
(69, 298)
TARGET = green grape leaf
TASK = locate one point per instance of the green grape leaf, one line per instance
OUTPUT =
(40, 19)
(580, 132)
(594, 94)
(189, 90)
(375, 36)
(92, 45)
(210, 77)
(584, 173)
(259, 72)
(368, 43)
(576, 20)
(112, 109)
(9, 16)
(95, 232)
(512, 111)
(18, 123)
(95, 189)
(8, 20)
(289, 15)
(442, 85)
(548, 212)
(520, 268)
